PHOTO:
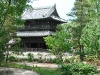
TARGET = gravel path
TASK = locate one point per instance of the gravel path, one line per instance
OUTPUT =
(20, 71)
(46, 65)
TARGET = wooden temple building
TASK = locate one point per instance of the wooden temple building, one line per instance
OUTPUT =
(39, 23)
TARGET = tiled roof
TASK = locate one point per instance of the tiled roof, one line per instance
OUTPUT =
(34, 33)
(38, 13)
(41, 13)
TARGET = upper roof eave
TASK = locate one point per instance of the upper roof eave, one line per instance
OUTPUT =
(59, 19)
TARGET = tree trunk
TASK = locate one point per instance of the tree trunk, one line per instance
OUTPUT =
(1, 53)
(0, 58)
(81, 53)
(7, 54)
(97, 53)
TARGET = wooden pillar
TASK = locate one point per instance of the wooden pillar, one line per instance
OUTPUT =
(29, 46)
(24, 46)
(38, 45)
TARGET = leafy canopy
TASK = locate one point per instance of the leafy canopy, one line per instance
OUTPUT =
(59, 42)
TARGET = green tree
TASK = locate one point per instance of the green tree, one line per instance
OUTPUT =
(10, 18)
(80, 18)
(60, 42)
(91, 33)
(10, 33)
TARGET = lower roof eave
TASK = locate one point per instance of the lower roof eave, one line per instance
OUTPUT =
(34, 33)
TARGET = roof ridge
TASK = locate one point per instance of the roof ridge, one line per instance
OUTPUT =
(44, 7)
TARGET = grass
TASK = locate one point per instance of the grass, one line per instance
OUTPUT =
(47, 71)
(39, 70)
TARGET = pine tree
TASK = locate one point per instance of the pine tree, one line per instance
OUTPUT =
(91, 32)
(80, 14)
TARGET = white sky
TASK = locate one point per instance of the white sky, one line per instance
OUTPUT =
(63, 6)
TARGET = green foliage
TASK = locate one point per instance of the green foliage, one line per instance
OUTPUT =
(60, 42)
(90, 58)
(78, 69)
(91, 33)
(86, 28)
(58, 61)
(10, 19)
(81, 16)
(72, 59)
(15, 47)
(13, 65)
(3, 57)
(30, 57)
(47, 71)
(11, 58)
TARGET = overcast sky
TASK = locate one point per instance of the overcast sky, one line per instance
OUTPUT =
(63, 6)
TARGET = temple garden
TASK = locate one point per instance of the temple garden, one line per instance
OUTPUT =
(45, 63)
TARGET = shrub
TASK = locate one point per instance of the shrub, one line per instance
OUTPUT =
(90, 58)
(58, 61)
(30, 57)
(78, 69)
(11, 58)
(72, 59)
(52, 60)
(40, 60)
(3, 57)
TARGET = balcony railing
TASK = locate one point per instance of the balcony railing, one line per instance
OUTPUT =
(39, 27)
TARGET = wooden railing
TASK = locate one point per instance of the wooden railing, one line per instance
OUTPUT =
(39, 27)
(35, 49)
